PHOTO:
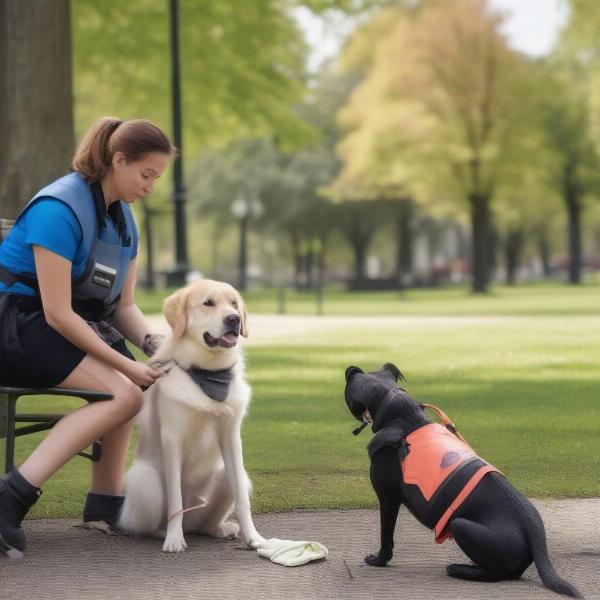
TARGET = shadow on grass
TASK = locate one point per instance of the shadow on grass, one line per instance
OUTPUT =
(539, 424)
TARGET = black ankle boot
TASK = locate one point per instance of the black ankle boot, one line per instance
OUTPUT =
(17, 496)
(102, 507)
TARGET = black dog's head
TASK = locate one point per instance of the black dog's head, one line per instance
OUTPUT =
(378, 393)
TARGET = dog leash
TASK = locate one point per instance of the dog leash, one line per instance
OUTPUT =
(202, 504)
(446, 422)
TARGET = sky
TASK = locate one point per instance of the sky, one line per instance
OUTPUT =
(532, 27)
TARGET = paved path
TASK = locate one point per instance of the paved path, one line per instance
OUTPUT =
(269, 328)
(68, 563)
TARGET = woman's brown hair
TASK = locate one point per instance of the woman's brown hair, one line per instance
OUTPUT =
(108, 135)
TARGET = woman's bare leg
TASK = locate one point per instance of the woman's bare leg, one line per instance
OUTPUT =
(107, 473)
(110, 420)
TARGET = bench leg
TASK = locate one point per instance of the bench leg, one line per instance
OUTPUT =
(8, 418)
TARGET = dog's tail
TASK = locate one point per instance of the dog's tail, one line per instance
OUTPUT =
(144, 500)
(537, 540)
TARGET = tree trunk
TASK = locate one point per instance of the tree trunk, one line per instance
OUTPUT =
(320, 283)
(360, 259)
(297, 259)
(309, 263)
(321, 263)
(360, 236)
(404, 248)
(514, 245)
(574, 228)
(36, 100)
(492, 249)
(543, 248)
(479, 225)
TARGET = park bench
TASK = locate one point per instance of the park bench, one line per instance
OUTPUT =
(39, 422)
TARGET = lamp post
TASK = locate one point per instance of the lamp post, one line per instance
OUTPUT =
(178, 273)
(242, 209)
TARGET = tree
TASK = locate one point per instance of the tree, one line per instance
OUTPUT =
(527, 211)
(359, 220)
(572, 112)
(573, 168)
(36, 104)
(362, 176)
(438, 109)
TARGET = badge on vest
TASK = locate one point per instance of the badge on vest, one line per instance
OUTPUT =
(104, 276)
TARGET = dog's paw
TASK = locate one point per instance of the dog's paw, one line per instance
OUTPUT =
(253, 541)
(374, 560)
(175, 543)
(227, 530)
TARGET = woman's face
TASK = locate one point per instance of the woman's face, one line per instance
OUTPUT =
(133, 180)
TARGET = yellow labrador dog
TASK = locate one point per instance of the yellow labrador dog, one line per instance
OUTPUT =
(189, 449)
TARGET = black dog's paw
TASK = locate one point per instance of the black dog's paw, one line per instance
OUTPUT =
(374, 560)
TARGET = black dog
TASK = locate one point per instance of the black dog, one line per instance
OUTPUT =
(495, 526)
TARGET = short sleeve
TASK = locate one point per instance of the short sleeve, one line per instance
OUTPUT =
(52, 224)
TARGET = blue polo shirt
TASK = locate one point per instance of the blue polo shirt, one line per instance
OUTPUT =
(51, 224)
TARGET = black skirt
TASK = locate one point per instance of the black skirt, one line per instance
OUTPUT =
(33, 354)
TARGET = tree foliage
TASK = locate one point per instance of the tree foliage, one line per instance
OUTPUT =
(241, 68)
(578, 55)
(242, 64)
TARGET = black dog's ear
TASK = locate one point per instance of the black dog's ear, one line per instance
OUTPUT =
(352, 371)
(394, 370)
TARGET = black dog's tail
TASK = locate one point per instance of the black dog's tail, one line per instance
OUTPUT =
(537, 539)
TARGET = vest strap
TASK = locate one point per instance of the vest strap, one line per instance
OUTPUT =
(9, 278)
(446, 422)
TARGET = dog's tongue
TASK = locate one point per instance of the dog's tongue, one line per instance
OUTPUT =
(230, 338)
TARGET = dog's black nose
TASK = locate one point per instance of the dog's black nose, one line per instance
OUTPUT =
(232, 320)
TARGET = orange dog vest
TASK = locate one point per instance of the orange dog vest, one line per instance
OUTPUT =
(434, 454)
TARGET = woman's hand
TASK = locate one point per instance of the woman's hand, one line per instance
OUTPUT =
(140, 373)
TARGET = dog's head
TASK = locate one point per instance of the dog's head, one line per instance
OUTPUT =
(212, 313)
(376, 396)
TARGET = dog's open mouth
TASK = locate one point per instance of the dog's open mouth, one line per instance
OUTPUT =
(227, 340)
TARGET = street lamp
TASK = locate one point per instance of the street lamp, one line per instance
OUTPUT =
(242, 209)
(177, 275)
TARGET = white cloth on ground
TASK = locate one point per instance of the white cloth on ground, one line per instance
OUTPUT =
(290, 553)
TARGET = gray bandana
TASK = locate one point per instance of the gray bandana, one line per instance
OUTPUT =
(215, 384)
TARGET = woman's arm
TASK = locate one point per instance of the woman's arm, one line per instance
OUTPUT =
(54, 278)
(128, 318)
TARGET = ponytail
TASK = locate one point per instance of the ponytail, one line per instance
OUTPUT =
(135, 139)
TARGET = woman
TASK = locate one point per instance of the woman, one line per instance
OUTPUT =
(67, 278)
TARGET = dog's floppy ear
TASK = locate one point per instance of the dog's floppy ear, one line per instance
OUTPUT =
(394, 370)
(176, 312)
(351, 371)
(243, 315)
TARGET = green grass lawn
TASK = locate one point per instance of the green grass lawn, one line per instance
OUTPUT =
(535, 300)
(522, 389)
